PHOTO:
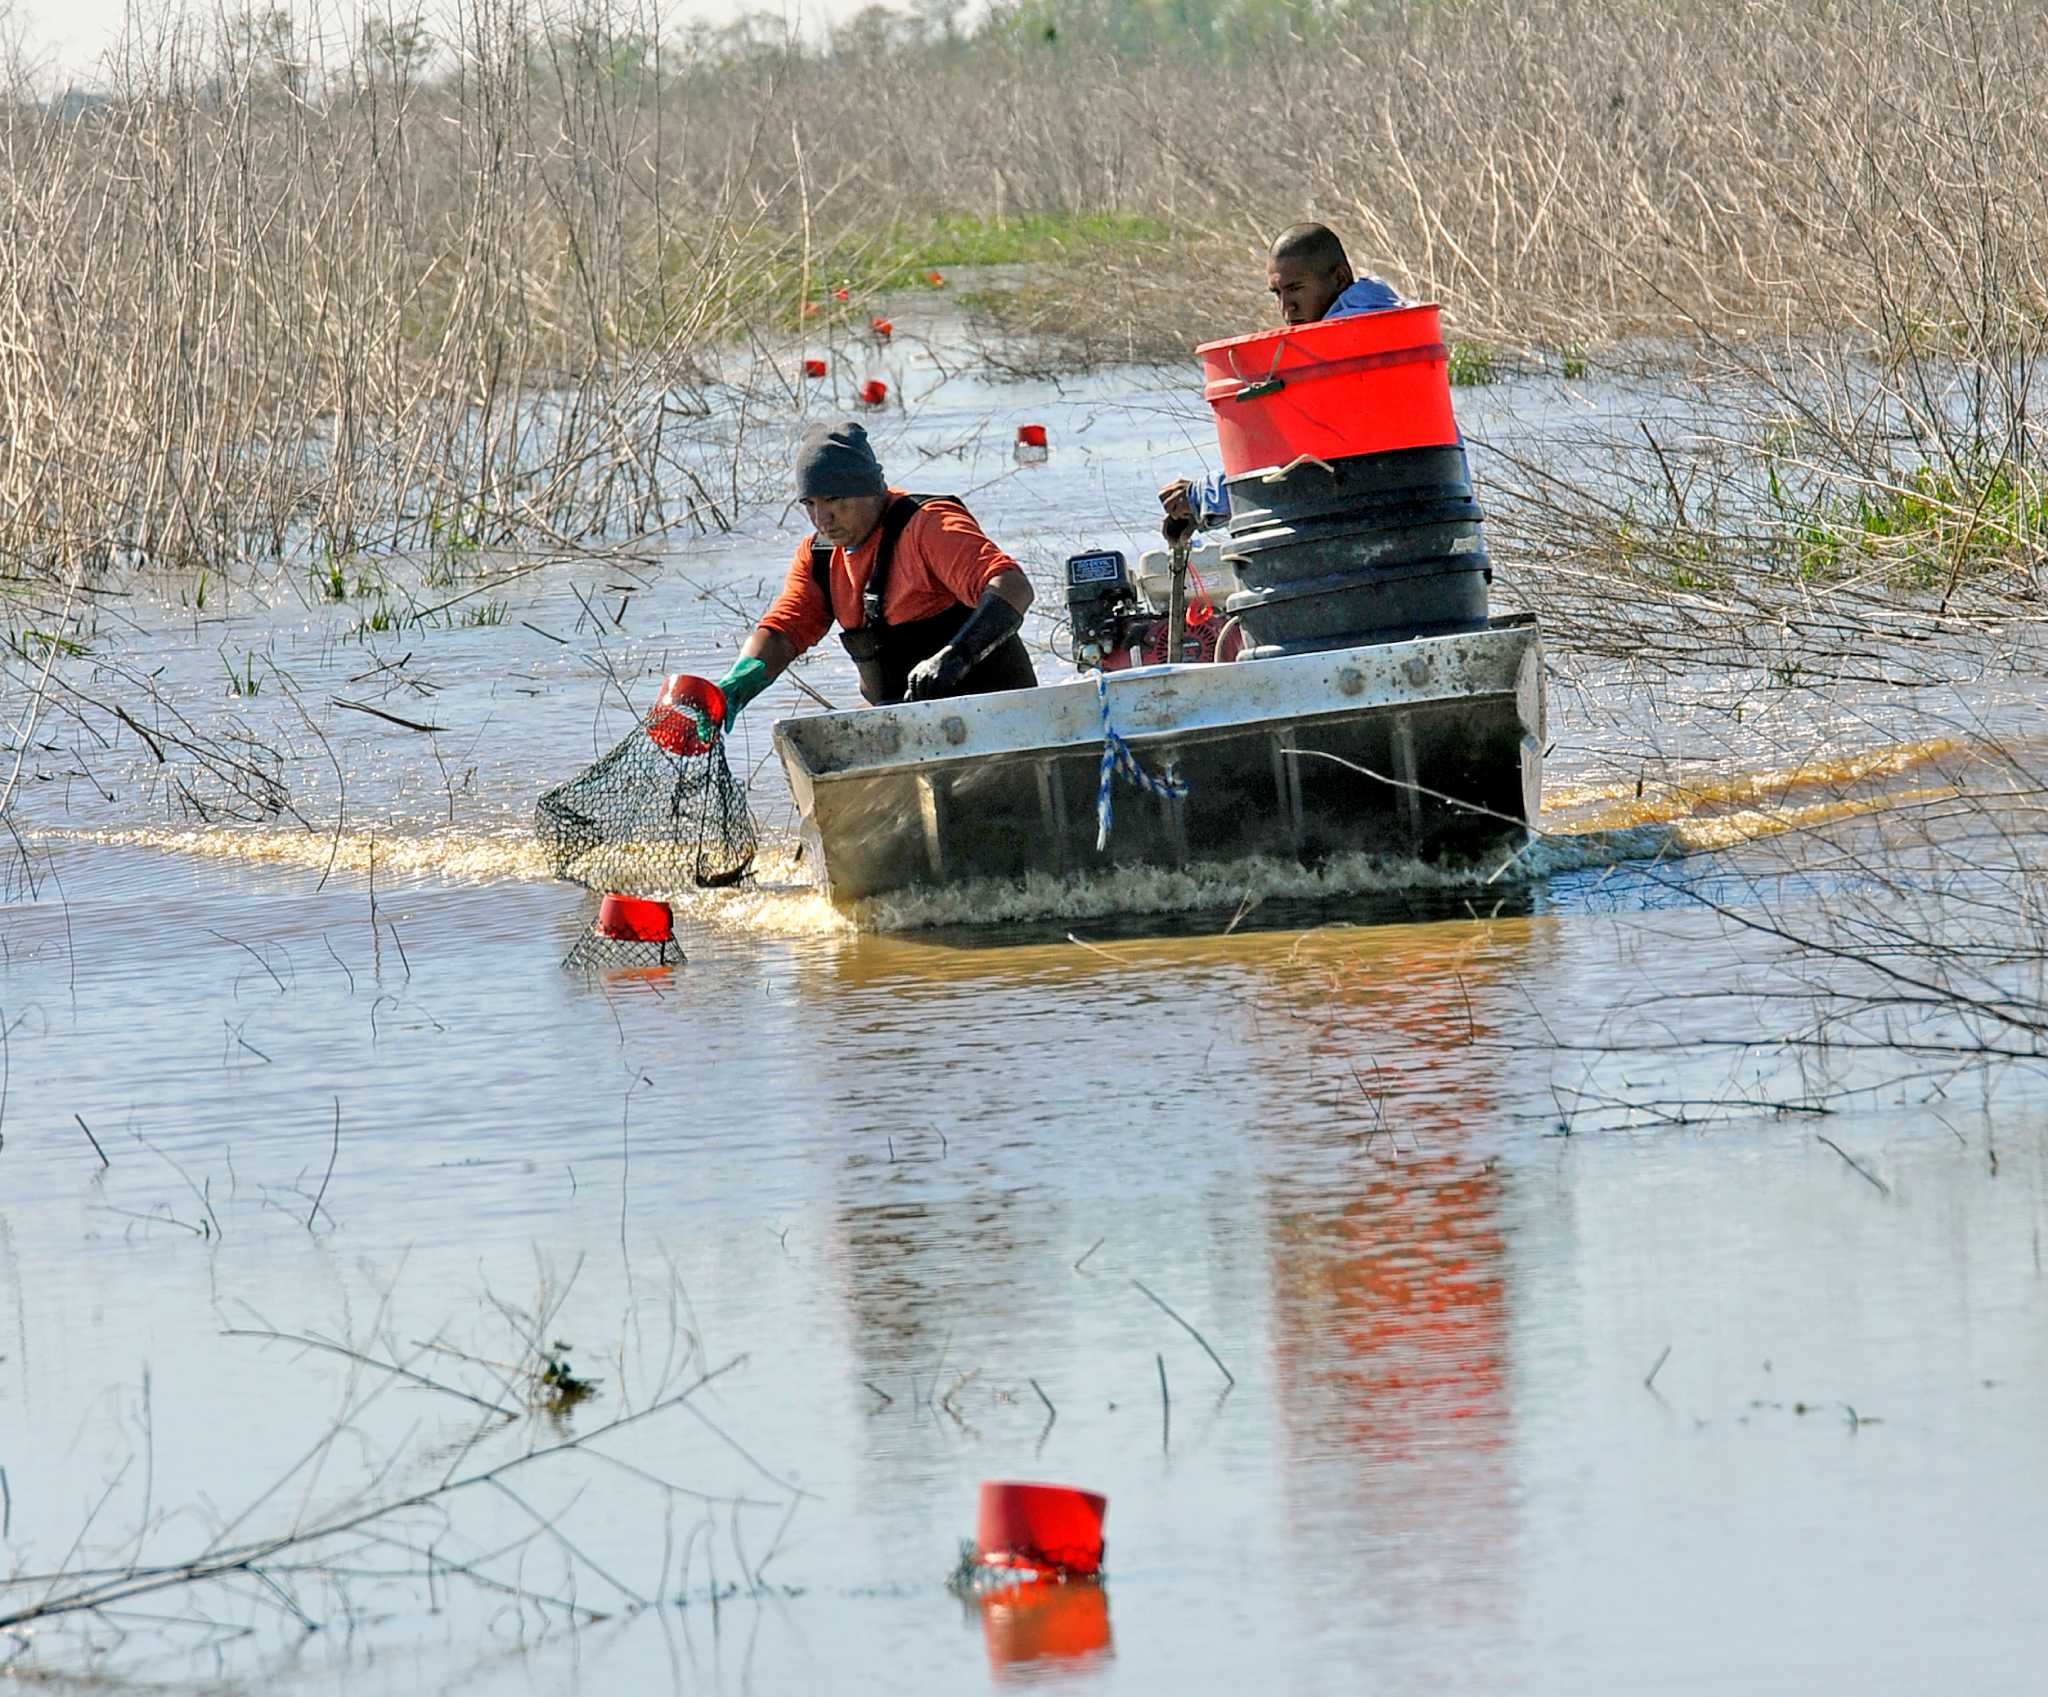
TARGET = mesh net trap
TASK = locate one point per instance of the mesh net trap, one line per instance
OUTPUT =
(658, 813)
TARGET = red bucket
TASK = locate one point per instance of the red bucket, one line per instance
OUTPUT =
(1046, 1527)
(1031, 436)
(882, 328)
(814, 368)
(673, 723)
(629, 919)
(874, 393)
(1369, 383)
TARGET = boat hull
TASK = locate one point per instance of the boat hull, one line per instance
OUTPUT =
(1430, 747)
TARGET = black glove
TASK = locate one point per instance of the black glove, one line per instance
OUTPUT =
(993, 621)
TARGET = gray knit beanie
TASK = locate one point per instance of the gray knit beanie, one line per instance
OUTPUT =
(835, 459)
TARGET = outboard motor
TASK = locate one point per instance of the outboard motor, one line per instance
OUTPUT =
(1101, 607)
(1119, 621)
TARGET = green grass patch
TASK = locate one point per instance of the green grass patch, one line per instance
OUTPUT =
(245, 682)
(905, 253)
(1935, 526)
(1472, 364)
(911, 249)
(37, 645)
(381, 618)
(1671, 553)
(330, 580)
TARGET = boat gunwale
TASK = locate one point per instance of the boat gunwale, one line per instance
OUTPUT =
(1508, 641)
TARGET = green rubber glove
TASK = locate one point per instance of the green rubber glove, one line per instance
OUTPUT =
(739, 686)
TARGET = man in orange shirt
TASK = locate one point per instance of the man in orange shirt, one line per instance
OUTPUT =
(927, 605)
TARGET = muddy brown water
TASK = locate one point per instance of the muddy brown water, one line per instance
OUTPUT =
(1566, 1354)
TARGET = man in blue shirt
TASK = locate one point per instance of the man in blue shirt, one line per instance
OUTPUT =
(1311, 279)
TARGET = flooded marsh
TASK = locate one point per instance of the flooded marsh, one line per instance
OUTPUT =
(1620, 1267)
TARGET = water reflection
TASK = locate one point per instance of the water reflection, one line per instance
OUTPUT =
(1390, 1303)
(1045, 1630)
(1325, 1102)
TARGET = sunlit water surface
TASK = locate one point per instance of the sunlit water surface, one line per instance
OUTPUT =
(1556, 1360)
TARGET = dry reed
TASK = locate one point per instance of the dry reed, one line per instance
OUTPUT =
(274, 299)
(354, 284)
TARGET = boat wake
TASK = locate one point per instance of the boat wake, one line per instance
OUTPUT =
(1585, 828)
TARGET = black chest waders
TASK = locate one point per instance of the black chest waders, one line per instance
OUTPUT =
(884, 654)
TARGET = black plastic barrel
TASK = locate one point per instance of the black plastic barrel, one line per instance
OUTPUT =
(1373, 548)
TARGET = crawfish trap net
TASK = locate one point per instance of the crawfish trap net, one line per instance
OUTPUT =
(658, 813)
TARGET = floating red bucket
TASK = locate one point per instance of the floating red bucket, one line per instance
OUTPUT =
(874, 392)
(937, 279)
(882, 328)
(630, 919)
(1031, 436)
(814, 368)
(1370, 383)
(841, 295)
(684, 711)
(1052, 1528)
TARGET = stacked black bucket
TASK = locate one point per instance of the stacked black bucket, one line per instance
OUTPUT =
(1340, 553)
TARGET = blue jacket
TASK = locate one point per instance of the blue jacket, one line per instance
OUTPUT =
(1207, 498)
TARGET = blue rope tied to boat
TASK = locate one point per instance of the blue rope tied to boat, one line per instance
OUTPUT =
(1119, 762)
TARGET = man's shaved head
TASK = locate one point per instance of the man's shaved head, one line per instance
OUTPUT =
(1315, 245)
(1306, 272)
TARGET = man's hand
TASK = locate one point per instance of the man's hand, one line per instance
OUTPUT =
(996, 618)
(1179, 523)
(938, 676)
(748, 677)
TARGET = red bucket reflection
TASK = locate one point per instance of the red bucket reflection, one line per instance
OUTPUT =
(1031, 1629)
(1390, 1273)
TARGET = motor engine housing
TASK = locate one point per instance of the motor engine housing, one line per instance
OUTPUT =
(1118, 621)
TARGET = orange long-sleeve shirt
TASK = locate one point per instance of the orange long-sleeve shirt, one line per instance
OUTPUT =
(942, 560)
